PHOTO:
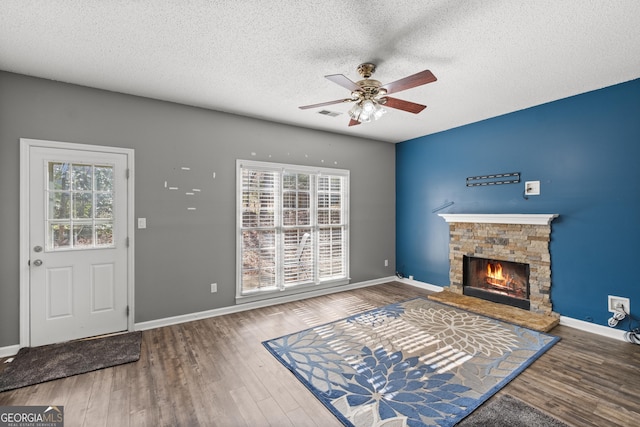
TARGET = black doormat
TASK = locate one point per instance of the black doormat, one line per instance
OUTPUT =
(34, 365)
(507, 411)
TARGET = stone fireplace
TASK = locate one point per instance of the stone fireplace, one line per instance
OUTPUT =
(522, 239)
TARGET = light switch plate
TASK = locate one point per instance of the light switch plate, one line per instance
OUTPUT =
(142, 223)
(532, 188)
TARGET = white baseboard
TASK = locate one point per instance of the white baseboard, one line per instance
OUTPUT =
(421, 285)
(151, 324)
(593, 328)
(10, 350)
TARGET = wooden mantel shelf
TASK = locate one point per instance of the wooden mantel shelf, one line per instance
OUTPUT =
(535, 219)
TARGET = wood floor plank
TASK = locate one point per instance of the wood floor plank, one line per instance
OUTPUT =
(118, 413)
(215, 372)
(163, 371)
(75, 408)
(98, 407)
(251, 412)
(273, 382)
(224, 411)
(141, 393)
(277, 417)
(302, 418)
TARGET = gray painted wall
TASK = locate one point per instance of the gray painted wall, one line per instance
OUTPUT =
(181, 252)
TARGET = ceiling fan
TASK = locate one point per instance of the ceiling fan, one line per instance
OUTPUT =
(370, 95)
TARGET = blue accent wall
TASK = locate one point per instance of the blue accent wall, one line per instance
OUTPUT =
(584, 150)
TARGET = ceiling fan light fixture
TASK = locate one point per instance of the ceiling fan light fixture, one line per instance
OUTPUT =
(366, 111)
(355, 111)
(368, 106)
(378, 111)
(369, 95)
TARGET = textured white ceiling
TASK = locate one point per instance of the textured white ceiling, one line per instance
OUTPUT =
(265, 58)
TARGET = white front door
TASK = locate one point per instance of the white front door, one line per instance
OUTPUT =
(78, 245)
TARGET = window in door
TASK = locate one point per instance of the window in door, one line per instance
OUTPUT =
(80, 206)
(292, 226)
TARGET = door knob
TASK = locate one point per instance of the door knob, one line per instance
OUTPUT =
(37, 262)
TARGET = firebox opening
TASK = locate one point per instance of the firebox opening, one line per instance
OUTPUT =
(499, 281)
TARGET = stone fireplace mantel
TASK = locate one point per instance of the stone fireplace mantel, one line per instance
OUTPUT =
(534, 219)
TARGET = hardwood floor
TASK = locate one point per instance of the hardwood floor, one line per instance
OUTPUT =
(215, 372)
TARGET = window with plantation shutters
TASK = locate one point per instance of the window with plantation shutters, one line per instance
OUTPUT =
(292, 227)
(331, 226)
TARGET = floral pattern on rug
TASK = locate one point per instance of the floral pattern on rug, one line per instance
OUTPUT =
(415, 363)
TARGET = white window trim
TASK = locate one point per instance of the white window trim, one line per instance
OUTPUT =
(300, 288)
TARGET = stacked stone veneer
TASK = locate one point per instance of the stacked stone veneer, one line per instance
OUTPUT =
(524, 243)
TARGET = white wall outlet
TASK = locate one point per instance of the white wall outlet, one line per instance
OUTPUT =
(214, 288)
(386, 263)
(613, 303)
(532, 188)
(142, 223)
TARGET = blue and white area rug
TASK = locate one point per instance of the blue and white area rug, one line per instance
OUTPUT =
(414, 363)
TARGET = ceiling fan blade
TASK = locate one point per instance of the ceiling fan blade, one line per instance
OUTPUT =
(400, 104)
(418, 79)
(353, 122)
(322, 104)
(343, 81)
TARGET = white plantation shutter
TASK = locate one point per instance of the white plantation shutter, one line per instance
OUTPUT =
(331, 227)
(296, 228)
(292, 226)
(258, 219)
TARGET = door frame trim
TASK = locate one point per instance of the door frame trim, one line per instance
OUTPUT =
(25, 272)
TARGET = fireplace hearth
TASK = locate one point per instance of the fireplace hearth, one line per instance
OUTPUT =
(499, 281)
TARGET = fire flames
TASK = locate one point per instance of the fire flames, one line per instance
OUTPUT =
(494, 274)
(499, 277)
